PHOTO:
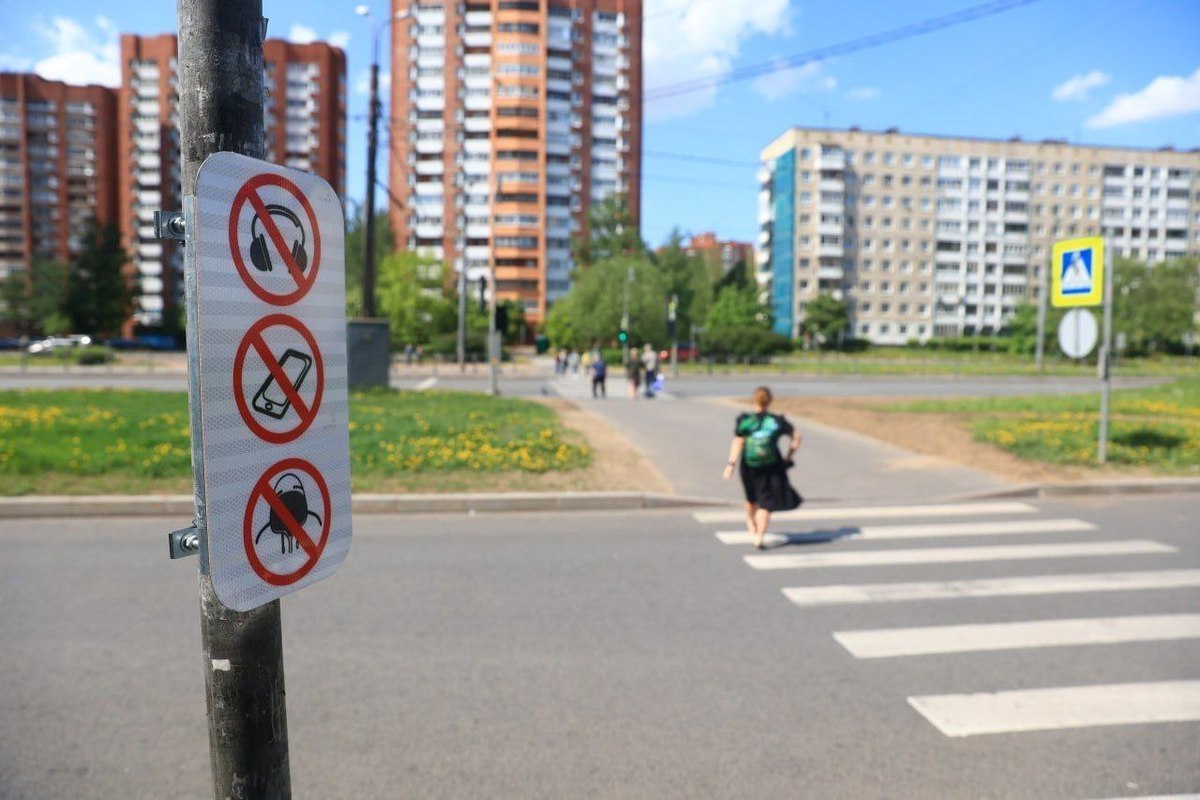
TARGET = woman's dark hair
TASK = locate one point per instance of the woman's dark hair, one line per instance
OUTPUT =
(762, 397)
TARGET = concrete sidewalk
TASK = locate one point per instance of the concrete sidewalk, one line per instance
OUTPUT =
(688, 441)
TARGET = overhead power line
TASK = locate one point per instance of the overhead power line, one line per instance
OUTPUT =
(726, 162)
(842, 48)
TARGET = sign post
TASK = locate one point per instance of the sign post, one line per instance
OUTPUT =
(1082, 276)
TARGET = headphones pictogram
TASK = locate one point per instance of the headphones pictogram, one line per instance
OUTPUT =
(260, 253)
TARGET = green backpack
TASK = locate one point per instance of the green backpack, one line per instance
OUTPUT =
(761, 433)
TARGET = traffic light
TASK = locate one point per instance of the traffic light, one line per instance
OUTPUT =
(502, 319)
(623, 336)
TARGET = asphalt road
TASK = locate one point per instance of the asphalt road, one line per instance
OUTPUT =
(625, 655)
(684, 387)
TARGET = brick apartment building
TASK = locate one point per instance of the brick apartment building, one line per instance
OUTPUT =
(57, 167)
(509, 118)
(943, 236)
(305, 115)
(720, 256)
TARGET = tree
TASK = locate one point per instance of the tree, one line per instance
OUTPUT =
(100, 293)
(34, 302)
(739, 277)
(410, 295)
(611, 233)
(686, 278)
(1154, 305)
(591, 311)
(356, 234)
(738, 308)
(826, 318)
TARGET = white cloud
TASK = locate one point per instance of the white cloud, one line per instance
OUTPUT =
(339, 39)
(79, 55)
(14, 63)
(863, 93)
(699, 41)
(1077, 87)
(809, 77)
(1165, 96)
(301, 34)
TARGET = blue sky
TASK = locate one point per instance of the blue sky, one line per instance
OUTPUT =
(1099, 72)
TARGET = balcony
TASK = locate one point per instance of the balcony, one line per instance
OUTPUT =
(831, 250)
(431, 168)
(831, 273)
(477, 39)
(831, 159)
(429, 231)
(477, 124)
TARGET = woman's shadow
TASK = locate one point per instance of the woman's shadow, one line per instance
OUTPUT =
(775, 541)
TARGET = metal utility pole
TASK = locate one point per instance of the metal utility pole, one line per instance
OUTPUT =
(1040, 346)
(221, 109)
(625, 317)
(494, 347)
(368, 276)
(672, 308)
(462, 311)
(1106, 355)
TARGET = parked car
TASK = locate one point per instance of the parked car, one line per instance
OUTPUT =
(9, 343)
(52, 343)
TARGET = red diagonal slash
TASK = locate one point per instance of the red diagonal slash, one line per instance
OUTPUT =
(268, 224)
(281, 378)
(295, 528)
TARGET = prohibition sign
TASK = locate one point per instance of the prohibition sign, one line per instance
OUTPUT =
(263, 491)
(254, 340)
(251, 192)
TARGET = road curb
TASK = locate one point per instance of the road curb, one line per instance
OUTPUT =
(56, 506)
(1090, 489)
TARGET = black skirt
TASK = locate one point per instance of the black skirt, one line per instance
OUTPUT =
(768, 487)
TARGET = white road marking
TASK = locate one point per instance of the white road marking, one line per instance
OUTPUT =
(1064, 707)
(875, 512)
(993, 587)
(955, 555)
(894, 642)
(919, 531)
(426, 384)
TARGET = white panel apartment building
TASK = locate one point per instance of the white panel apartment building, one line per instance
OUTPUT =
(935, 236)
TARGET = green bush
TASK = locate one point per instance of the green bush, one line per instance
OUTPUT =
(744, 342)
(94, 354)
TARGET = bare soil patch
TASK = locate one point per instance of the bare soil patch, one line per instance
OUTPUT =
(945, 436)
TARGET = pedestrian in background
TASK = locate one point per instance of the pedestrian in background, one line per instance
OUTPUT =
(599, 374)
(754, 451)
(633, 371)
(650, 363)
(573, 362)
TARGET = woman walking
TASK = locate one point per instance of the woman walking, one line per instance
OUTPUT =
(633, 371)
(755, 452)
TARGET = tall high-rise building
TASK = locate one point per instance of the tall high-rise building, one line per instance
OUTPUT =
(939, 236)
(57, 167)
(509, 119)
(305, 119)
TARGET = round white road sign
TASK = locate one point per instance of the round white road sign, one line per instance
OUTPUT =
(1077, 333)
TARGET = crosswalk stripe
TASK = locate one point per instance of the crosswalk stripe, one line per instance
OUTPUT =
(894, 642)
(1058, 708)
(918, 531)
(955, 555)
(876, 512)
(845, 594)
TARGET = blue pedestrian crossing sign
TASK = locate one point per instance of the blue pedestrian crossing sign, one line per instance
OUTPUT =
(1077, 273)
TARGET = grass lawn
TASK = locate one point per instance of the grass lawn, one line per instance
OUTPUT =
(1157, 427)
(131, 442)
(902, 361)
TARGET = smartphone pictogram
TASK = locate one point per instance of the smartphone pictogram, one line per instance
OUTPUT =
(270, 398)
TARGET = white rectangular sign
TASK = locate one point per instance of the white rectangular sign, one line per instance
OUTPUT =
(269, 289)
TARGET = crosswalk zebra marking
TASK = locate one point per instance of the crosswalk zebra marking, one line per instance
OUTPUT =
(955, 555)
(941, 639)
(875, 512)
(916, 531)
(847, 594)
(959, 715)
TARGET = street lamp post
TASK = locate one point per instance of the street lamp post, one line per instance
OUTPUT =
(368, 278)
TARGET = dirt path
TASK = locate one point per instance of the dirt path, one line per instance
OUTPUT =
(945, 436)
